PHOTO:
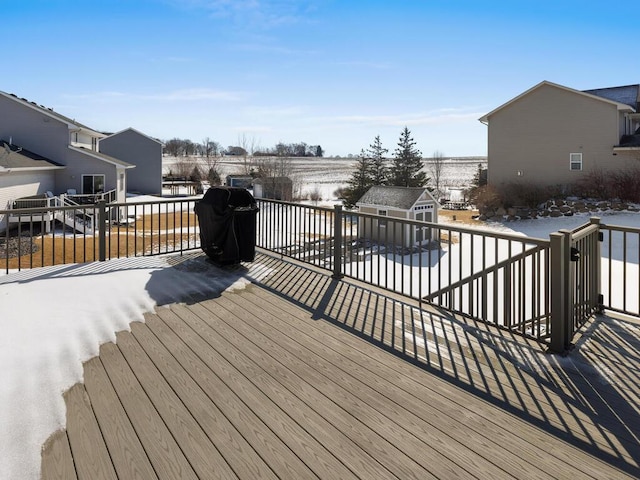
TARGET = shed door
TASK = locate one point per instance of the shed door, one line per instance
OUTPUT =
(420, 230)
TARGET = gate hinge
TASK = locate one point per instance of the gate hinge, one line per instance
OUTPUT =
(601, 236)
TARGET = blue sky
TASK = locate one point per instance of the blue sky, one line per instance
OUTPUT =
(328, 72)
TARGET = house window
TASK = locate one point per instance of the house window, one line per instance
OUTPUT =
(575, 161)
(92, 184)
(382, 223)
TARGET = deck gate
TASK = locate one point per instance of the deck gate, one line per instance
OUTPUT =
(575, 281)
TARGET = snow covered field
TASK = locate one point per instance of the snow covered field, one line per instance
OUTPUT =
(55, 318)
(326, 175)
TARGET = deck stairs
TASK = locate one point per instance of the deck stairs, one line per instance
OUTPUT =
(81, 220)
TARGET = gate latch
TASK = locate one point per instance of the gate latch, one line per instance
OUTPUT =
(574, 255)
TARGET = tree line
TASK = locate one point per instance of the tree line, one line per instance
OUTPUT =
(179, 147)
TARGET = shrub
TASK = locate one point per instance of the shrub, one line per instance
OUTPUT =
(525, 194)
(214, 177)
(594, 184)
(486, 198)
(625, 185)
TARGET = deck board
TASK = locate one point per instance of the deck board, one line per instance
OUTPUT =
(127, 453)
(302, 376)
(57, 460)
(90, 454)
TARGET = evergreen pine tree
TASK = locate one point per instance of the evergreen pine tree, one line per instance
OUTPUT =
(359, 182)
(407, 164)
(379, 167)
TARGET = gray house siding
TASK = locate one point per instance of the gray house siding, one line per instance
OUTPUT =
(141, 151)
(33, 130)
(78, 165)
(530, 139)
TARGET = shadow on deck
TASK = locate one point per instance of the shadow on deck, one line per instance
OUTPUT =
(260, 383)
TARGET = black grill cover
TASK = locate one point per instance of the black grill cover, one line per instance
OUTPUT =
(227, 219)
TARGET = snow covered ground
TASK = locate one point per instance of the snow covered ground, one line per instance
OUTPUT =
(325, 175)
(55, 318)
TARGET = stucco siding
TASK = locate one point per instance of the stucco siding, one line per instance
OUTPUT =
(22, 184)
(141, 151)
(531, 139)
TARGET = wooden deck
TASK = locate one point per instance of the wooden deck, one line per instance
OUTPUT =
(300, 376)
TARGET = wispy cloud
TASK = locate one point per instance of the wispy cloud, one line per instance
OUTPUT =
(256, 47)
(365, 64)
(257, 13)
(275, 111)
(184, 95)
(449, 115)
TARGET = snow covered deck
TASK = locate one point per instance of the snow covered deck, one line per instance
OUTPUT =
(302, 376)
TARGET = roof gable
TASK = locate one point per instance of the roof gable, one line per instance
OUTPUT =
(48, 112)
(131, 130)
(101, 156)
(403, 198)
(620, 106)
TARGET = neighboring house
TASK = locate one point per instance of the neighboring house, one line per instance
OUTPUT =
(554, 135)
(406, 203)
(65, 142)
(140, 150)
(276, 188)
(93, 162)
(23, 173)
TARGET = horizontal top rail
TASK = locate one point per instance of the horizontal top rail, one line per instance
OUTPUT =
(618, 228)
(39, 210)
(297, 205)
(485, 233)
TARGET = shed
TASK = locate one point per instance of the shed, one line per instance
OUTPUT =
(404, 203)
(277, 188)
(242, 181)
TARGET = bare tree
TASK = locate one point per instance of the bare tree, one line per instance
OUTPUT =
(249, 145)
(435, 167)
(183, 167)
(267, 167)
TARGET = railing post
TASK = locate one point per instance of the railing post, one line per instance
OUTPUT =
(337, 242)
(560, 295)
(102, 233)
(596, 271)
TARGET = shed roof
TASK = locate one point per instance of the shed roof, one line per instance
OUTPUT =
(397, 197)
(272, 180)
(14, 156)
